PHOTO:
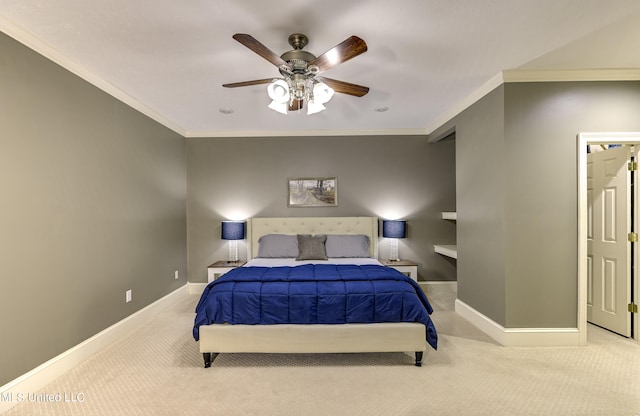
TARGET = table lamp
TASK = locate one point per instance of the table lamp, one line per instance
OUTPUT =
(233, 231)
(394, 229)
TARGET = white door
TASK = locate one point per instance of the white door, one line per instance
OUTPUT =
(608, 248)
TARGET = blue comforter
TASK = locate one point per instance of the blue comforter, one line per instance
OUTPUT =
(314, 294)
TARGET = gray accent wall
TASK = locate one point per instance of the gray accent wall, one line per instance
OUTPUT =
(480, 192)
(93, 204)
(386, 176)
(516, 170)
(542, 121)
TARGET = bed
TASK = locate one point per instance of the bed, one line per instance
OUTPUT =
(252, 327)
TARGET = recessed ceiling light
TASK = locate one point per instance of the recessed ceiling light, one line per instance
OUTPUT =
(226, 110)
(381, 109)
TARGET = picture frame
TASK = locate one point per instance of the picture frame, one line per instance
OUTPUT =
(312, 192)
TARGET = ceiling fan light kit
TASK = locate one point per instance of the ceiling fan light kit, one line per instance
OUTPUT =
(299, 86)
(284, 91)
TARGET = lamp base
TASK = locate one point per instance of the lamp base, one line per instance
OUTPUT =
(394, 254)
(233, 250)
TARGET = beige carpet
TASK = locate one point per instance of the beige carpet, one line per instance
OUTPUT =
(158, 371)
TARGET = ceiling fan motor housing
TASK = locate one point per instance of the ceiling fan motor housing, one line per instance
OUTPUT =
(298, 60)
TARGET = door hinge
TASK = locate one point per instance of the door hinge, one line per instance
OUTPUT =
(632, 166)
(632, 237)
(633, 308)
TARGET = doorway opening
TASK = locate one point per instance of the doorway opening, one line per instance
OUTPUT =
(584, 140)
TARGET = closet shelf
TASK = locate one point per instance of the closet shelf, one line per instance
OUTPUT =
(447, 215)
(447, 250)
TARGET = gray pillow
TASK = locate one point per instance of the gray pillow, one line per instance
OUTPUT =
(311, 248)
(278, 246)
(347, 245)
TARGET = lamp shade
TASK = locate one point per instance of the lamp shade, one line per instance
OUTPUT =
(232, 230)
(394, 229)
(278, 91)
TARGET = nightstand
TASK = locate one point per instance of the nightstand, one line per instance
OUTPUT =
(403, 266)
(221, 267)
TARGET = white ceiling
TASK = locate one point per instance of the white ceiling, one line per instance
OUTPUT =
(426, 59)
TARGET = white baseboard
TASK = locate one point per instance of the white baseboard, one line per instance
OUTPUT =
(429, 287)
(519, 337)
(450, 284)
(197, 288)
(45, 373)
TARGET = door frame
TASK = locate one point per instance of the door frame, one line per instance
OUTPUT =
(585, 139)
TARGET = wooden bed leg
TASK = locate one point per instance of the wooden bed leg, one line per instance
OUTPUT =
(418, 358)
(207, 359)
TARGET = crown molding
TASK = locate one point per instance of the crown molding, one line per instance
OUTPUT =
(502, 77)
(571, 75)
(38, 45)
(471, 99)
(305, 133)
(536, 75)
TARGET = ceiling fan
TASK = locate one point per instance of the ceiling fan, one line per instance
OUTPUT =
(300, 82)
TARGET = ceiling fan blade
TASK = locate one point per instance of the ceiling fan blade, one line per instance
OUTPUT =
(248, 83)
(347, 49)
(251, 43)
(345, 87)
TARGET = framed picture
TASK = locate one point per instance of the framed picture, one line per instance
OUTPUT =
(313, 192)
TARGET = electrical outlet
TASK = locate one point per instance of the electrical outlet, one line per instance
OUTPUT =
(176, 275)
(128, 296)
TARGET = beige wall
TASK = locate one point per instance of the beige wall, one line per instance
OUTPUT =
(403, 177)
(93, 203)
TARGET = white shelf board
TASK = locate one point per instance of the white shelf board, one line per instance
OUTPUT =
(449, 215)
(447, 250)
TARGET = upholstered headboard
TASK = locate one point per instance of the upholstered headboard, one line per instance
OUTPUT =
(257, 227)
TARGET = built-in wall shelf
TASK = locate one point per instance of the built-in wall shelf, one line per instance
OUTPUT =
(447, 250)
(447, 215)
